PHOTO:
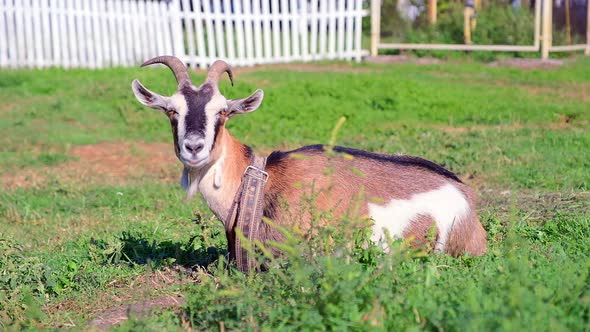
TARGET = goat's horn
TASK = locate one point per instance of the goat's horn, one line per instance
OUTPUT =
(217, 69)
(177, 67)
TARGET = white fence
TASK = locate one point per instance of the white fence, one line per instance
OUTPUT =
(102, 33)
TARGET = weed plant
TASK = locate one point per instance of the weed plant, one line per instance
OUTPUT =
(523, 283)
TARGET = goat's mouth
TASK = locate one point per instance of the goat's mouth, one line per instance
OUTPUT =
(194, 162)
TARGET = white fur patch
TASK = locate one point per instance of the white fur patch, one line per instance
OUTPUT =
(180, 106)
(216, 104)
(218, 176)
(216, 192)
(445, 205)
(193, 188)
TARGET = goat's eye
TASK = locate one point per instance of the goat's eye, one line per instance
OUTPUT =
(171, 112)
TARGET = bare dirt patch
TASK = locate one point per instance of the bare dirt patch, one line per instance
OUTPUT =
(580, 92)
(539, 207)
(455, 129)
(563, 122)
(527, 64)
(120, 314)
(401, 59)
(521, 63)
(112, 163)
(6, 107)
(567, 91)
(124, 299)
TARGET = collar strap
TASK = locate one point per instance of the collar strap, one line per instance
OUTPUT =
(245, 215)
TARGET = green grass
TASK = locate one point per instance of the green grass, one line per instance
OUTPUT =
(74, 243)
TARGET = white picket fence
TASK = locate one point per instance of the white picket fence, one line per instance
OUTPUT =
(103, 33)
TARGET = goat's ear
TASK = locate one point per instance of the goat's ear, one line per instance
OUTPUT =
(147, 97)
(245, 105)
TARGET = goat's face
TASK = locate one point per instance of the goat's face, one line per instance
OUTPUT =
(196, 113)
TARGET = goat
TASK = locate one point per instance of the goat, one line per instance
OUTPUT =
(404, 196)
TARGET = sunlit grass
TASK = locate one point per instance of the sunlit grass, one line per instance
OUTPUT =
(80, 241)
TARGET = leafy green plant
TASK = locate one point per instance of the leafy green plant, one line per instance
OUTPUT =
(24, 281)
(67, 279)
(513, 287)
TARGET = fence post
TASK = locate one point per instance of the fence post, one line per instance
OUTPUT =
(431, 7)
(587, 28)
(375, 25)
(547, 26)
(175, 18)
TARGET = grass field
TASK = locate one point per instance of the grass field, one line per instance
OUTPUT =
(92, 217)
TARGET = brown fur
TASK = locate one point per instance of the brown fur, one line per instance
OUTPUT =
(418, 231)
(336, 181)
(348, 176)
(467, 235)
(235, 163)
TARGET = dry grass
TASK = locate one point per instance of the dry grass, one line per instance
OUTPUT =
(106, 163)
(124, 299)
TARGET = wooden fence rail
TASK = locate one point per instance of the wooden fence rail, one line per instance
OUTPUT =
(103, 33)
(541, 39)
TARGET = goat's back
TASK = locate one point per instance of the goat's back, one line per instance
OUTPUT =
(403, 194)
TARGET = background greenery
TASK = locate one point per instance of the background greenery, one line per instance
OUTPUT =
(78, 237)
(498, 23)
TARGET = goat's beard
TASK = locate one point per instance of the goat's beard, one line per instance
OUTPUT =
(192, 190)
(188, 183)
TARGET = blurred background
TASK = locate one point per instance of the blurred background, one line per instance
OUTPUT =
(102, 33)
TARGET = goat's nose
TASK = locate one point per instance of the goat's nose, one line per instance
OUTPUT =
(193, 147)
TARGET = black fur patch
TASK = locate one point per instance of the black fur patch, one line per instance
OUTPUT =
(402, 160)
(218, 123)
(196, 118)
(174, 124)
(277, 157)
(271, 206)
(248, 153)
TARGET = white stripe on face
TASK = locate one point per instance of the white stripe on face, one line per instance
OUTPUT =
(211, 109)
(180, 106)
(445, 205)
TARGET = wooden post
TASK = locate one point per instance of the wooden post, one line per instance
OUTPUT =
(375, 26)
(468, 13)
(478, 7)
(432, 11)
(547, 26)
(568, 23)
(588, 29)
(466, 26)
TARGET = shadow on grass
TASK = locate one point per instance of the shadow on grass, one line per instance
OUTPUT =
(136, 248)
